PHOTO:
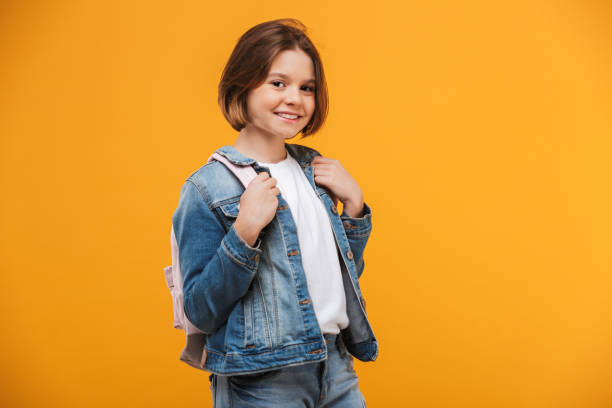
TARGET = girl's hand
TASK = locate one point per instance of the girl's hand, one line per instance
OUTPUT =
(258, 205)
(329, 173)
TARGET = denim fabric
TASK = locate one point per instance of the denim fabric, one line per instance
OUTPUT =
(331, 383)
(253, 302)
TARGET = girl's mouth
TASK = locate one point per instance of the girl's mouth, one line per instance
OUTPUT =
(287, 119)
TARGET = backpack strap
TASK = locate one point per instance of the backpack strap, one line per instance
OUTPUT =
(244, 173)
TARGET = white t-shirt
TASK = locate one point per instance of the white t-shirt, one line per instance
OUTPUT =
(317, 244)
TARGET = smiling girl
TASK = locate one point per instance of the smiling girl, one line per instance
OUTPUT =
(270, 272)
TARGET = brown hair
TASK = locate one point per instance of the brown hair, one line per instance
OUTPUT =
(250, 63)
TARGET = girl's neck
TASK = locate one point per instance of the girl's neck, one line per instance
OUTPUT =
(262, 148)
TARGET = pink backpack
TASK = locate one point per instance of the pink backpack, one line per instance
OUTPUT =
(194, 353)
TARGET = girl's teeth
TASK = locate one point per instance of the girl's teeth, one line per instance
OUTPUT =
(284, 115)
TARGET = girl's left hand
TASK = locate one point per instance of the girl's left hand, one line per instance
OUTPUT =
(329, 173)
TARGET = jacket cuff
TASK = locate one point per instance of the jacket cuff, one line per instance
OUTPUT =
(241, 252)
(354, 226)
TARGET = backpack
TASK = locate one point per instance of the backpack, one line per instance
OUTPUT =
(194, 353)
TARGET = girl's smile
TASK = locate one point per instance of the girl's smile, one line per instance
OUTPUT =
(291, 118)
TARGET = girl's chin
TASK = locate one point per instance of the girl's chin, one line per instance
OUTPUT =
(287, 133)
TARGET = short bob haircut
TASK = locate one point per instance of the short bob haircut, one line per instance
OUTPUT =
(250, 63)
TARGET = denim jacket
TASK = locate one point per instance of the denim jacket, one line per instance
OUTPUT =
(253, 302)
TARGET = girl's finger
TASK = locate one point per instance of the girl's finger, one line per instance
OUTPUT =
(324, 166)
(322, 159)
(322, 179)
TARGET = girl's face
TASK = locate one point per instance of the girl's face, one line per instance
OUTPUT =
(288, 89)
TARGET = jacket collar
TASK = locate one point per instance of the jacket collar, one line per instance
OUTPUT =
(302, 155)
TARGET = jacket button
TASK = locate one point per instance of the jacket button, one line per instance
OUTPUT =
(334, 209)
(256, 257)
(363, 303)
(349, 254)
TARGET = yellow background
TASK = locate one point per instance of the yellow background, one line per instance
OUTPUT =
(479, 131)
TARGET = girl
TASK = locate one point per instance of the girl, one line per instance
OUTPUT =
(270, 272)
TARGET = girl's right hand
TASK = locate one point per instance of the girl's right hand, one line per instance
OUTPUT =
(258, 206)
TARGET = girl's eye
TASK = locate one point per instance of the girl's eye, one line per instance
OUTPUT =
(306, 88)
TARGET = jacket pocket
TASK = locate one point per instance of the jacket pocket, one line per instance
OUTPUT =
(256, 320)
(230, 210)
(249, 335)
(228, 213)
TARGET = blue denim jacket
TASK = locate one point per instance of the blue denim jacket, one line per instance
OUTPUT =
(253, 302)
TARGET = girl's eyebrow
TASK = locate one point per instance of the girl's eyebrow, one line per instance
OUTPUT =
(280, 74)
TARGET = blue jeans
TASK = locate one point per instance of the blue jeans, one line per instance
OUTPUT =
(326, 384)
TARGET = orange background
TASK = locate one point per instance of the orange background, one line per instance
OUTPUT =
(480, 133)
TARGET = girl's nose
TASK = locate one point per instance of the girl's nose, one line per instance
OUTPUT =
(292, 95)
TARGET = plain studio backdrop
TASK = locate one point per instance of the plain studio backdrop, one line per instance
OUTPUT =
(479, 131)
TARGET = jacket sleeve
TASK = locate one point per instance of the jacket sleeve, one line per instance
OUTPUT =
(217, 267)
(358, 231)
